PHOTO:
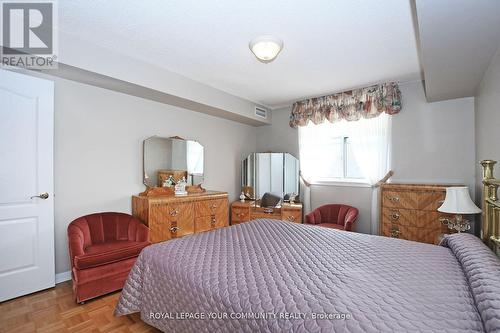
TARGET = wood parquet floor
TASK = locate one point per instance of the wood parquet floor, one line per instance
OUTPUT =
(55, 310)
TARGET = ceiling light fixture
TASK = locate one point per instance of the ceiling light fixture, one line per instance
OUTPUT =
(266, 48)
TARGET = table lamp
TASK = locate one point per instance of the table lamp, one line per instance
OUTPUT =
(458, 202)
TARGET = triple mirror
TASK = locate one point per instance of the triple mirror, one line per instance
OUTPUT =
(277, 173)
(175, 158)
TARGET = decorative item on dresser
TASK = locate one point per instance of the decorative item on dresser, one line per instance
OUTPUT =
(250, 210)
(409, 211)
(169, 216)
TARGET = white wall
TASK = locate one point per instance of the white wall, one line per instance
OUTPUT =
(98, 151)
(279, 136)
(488, 119)
(431, 142)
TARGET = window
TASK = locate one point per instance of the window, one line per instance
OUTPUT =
(335, 157)
(355, 151)
(351, 167)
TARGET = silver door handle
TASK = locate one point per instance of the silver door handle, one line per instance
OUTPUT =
(43, 196)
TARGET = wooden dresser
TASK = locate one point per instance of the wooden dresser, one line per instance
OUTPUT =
(247, 211)
(175, 216)
(409, 211)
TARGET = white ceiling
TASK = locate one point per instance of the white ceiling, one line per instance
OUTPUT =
(458, 38)
(329, 45)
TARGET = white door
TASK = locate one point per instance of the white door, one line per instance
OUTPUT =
(26, 171)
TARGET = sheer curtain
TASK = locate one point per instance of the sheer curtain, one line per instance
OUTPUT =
(370, 142)
(371, 146)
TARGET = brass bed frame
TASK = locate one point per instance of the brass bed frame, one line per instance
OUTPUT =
(490, 228)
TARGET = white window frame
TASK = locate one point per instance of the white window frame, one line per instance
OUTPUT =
(344, 180)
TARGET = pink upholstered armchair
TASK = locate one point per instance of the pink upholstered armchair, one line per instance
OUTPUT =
(333, 216)
(103, 248)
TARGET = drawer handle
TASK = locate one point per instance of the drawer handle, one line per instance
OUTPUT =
(240, 214)
(213, 220)
(213, 206)
(395, 216)
(174, 229)
(395, 233)
(174, 212)
(268, 210)
(291, 218)
(394, 199)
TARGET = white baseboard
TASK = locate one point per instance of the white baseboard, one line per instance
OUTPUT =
(62, 277)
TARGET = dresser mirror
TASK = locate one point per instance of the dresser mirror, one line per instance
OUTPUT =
(276, 173)
(172, 158)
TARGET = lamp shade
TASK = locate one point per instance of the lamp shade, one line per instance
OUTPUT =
(458, 201)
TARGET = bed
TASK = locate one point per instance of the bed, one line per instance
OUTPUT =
(275, 276)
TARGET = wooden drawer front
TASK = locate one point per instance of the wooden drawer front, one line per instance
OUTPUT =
(426, 219)
(181, 217)
(399, 199)
(159, 223)
(399, 216)
(431, 236)
(211, 207)
(430, 201)
(205, 223)
(429, 220)
(420, 226)
(262, 215)
(221, 220)
(292, 215)
(432, 228)
(408, 233)
(240, 214)
(159, 231)
(390, 229)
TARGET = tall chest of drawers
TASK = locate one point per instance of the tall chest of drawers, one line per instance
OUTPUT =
(409, 211)
(171, 217)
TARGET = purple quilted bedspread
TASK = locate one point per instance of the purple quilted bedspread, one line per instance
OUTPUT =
(274, 276)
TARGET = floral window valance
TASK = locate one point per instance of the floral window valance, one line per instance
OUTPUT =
(350, 105)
